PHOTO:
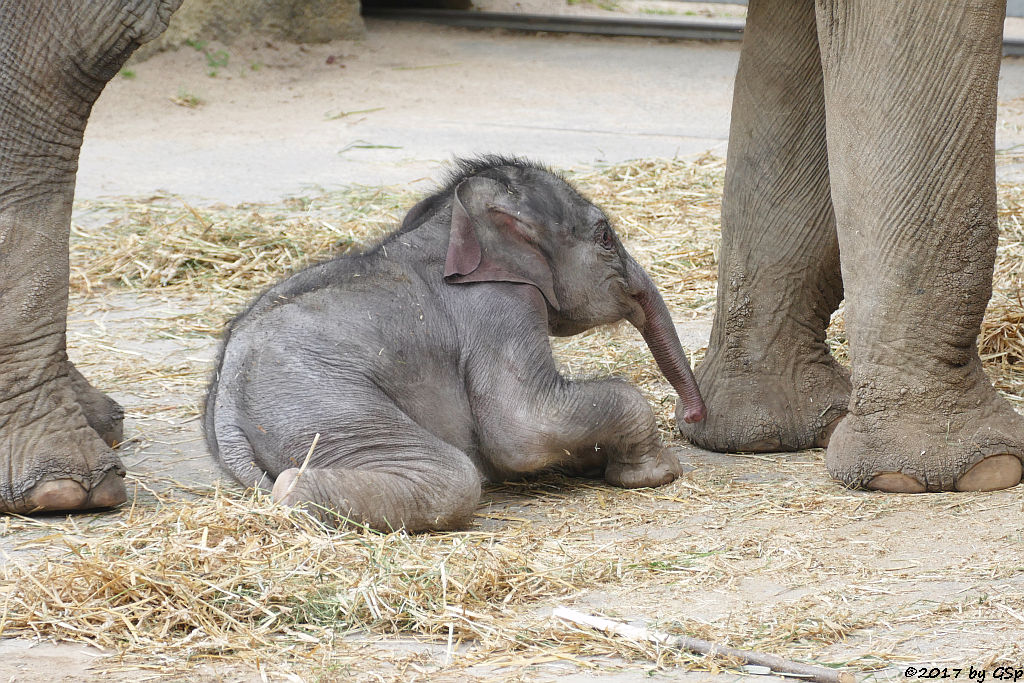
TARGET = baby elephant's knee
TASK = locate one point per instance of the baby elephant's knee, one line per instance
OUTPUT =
(639, 427)
(457, 495)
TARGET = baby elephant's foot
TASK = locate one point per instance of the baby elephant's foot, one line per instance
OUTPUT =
(286, 491)
(658, 470)
(325, 494)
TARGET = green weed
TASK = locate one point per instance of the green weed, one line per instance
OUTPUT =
(188, 100)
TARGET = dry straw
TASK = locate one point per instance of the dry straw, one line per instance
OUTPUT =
(753, 552)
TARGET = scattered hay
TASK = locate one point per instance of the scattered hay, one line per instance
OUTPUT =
(229, 254)
(162, 243)
(1001, 343)
(226, 577)
(1002, 335)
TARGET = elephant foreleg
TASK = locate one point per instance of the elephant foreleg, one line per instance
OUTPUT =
(55, 58)
(911, 100)
(768, 379)
(590, 427)
(51, 458)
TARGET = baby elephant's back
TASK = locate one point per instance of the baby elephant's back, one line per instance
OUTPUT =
(349, 351)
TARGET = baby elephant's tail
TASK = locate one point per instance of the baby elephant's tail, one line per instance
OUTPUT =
(231, 448)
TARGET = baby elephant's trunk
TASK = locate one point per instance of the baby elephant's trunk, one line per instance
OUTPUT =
(659, 332)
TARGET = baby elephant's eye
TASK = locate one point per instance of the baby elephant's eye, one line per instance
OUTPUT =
(605, 237)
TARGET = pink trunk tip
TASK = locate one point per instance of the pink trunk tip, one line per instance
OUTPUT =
(695, 413)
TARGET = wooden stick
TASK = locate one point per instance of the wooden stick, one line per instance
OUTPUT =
(777, 665)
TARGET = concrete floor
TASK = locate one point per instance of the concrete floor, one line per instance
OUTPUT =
(415, 96)
(433, 93)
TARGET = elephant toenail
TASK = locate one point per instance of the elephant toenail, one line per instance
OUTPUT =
(109, 492)
(826, 434)
(895, 482)
(284, 487)
(992, 474)
(57, 494)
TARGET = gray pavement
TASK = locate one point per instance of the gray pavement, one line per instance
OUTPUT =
(435, 93)
(420, 95)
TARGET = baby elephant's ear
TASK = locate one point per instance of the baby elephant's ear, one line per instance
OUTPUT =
(492, 240)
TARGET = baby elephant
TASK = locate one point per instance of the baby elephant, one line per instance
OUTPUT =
(424, 363)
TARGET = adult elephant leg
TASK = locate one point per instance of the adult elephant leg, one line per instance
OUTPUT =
(55, 58)
(768, 379)
(911, 101)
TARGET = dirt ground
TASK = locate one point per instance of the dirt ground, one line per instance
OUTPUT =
(933, 580)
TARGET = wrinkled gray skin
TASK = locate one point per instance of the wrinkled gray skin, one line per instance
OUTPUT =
(425, 367)
(55, 58)
(861, 163)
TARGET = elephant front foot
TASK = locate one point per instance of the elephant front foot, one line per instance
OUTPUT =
(53, 460)
(769, 409)
(104, 414)
(659, 469)
(968, 442)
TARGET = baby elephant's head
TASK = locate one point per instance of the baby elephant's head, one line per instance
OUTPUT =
(513, 221)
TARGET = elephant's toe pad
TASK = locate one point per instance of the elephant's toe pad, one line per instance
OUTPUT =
(992, 474)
